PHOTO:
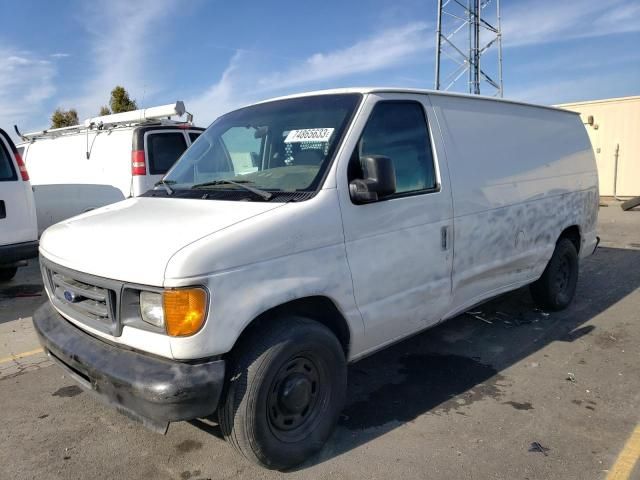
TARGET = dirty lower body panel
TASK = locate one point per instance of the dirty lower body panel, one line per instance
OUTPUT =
(149, 389)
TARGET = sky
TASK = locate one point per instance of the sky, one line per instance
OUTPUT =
(219, 55)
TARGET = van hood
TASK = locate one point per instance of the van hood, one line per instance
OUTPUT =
(133, 240)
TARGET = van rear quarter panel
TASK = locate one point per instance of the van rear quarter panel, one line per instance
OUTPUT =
(520, 175)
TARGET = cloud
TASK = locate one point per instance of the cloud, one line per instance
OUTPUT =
(220, 97)
(621, 19)
(542, 21)
(26, 82)
(554, 64)
(242, 82)
(120, 38)
(565, 90)
(391, 47)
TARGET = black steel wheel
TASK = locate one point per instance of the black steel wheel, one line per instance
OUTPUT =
(557, 285)
(295, 398)
(286, 389)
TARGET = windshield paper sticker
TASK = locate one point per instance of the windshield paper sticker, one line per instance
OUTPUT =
(309, 135)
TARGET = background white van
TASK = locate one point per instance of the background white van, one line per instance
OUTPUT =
(18, 229)
(105, 160)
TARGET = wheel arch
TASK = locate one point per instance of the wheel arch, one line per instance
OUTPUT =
(316, 307)
(573, 234)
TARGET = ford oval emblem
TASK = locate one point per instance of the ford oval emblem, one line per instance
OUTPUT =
(69, 296)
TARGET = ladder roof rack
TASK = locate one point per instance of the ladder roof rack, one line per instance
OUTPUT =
(161, 114)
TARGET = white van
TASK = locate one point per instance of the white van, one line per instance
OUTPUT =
(302, 233)
(105, 160)
(18, 229)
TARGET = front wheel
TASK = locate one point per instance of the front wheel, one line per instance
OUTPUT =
(557, 285)
(286, 390)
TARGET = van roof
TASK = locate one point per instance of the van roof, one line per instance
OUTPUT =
(365, 90)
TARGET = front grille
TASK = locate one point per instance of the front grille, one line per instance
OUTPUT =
(88, 299)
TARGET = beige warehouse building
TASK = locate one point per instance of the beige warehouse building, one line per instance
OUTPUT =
(614, 126)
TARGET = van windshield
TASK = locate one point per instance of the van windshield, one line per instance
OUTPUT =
(281, 146)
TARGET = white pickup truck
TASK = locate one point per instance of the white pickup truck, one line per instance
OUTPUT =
(302, 233)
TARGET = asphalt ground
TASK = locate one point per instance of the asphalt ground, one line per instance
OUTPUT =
(506, 392)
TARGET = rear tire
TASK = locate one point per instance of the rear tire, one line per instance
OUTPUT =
(557, 285)
(287, 386)
(7, 274)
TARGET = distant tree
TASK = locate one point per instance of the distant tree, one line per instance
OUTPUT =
(64, 118)
(104, 110)
(120, 101)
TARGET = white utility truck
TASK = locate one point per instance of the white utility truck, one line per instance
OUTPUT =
(302, 233)
(104, 160)
(18, 229)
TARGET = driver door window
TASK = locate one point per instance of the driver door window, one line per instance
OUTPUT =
(398, 130)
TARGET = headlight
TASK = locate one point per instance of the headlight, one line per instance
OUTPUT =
(180, 312)
(151, 308)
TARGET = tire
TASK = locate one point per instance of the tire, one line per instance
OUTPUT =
(286, 390)
(557, 285)
(7, 274)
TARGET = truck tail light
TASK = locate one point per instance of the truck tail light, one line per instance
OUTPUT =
(22, 167)
(138, 166)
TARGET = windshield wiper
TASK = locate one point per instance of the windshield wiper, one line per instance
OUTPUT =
(165, 184)
(242, 184)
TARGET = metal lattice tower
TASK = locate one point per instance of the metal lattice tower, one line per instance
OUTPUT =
(482, 21)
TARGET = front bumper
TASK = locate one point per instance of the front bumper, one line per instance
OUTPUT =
(149, 389)
(11, 254)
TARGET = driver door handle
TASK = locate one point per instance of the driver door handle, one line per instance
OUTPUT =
(444, 237)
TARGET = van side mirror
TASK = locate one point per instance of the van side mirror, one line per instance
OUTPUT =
(379, 180)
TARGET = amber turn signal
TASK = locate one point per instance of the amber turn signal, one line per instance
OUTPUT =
(185, 310)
